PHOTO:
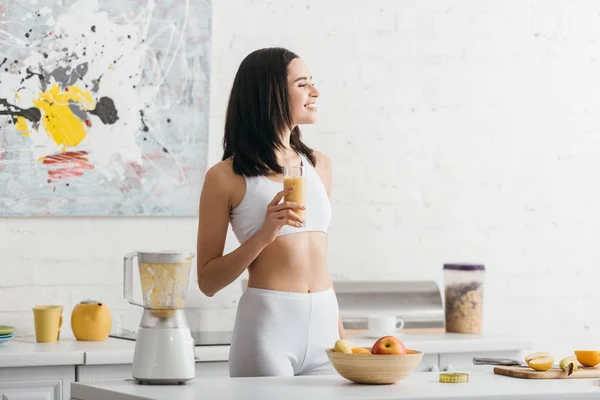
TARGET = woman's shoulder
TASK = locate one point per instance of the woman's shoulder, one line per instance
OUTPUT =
(322, 160)
(223, 173)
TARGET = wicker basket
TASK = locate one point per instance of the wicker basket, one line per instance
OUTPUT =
(374, 369)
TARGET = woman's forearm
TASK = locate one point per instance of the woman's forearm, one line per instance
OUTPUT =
(341, 328)
(221, 271)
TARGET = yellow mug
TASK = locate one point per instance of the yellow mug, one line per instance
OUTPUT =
(48, 321)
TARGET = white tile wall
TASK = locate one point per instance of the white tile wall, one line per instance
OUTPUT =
(459, 131)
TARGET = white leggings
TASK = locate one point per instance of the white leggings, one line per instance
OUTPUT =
(283, 333)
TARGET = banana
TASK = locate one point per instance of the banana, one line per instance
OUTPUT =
(344, 346)
(564, 363)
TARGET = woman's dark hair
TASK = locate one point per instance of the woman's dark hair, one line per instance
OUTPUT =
(258, 111)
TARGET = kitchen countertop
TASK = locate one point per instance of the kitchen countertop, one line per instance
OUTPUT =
(482, 385)
(24, 351)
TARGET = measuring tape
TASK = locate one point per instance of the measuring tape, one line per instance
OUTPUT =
(454, 377)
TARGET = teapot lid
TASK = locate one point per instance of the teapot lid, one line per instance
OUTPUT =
(88, 301)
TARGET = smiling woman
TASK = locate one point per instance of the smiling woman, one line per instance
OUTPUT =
(288, 315)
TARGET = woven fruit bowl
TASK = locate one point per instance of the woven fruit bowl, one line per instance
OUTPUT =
(376, 369)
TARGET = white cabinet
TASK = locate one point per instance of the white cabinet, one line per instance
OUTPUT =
(36, 383)
(90, 373)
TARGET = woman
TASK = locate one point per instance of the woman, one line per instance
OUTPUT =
(288, 315)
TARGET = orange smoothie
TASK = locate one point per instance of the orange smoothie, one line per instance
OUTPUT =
(298, 195)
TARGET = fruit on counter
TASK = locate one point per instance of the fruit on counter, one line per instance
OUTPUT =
(540, 363)
(344, 346)
(360, 350)
(531, 356)
(588, 358)
(388, 345)
(564, 363)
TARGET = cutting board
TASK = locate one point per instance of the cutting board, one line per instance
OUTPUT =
(552, 373)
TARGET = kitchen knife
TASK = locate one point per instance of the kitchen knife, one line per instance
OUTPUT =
(506, 362)
(498, 361)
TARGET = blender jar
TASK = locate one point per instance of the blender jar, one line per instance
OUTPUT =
(464, 297)
(164, 285)
(164, 278)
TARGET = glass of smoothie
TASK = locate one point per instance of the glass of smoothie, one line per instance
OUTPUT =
(295, 176)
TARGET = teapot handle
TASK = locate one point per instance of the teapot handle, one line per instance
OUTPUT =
(128, 279)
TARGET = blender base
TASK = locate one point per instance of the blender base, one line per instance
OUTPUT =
(164, 356)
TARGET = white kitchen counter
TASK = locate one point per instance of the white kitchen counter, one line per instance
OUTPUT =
(419, 385)
(24, 351)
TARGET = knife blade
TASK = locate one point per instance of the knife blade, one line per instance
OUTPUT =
(505, 362)
(498, 361)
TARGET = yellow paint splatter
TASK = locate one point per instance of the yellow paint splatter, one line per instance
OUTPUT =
(64, 127)
(21, 126)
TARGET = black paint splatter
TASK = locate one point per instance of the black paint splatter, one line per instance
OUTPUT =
(106, 111)
(145, 128)
(30, 74)
(32, 114)
(93, 28)
(165, 150)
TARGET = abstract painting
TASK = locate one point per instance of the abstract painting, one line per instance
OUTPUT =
(103, 106)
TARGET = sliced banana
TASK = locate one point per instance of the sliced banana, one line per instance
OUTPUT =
(564, 363)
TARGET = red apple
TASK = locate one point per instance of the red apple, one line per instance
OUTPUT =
(388, 345)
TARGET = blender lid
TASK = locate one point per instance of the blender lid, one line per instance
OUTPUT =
(464, 267)
(165, 256)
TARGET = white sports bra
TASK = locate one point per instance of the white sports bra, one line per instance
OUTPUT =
(248, 217)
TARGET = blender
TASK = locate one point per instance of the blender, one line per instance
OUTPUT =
(164, 347)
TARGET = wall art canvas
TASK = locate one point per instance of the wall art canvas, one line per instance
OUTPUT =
(103, 106)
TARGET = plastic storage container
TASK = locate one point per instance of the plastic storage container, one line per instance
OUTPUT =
(463, 287)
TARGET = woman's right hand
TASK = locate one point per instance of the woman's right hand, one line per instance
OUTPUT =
(279, 215)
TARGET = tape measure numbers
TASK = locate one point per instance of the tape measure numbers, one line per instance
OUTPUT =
(454, 377)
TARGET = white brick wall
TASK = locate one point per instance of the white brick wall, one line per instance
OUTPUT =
(462, 130)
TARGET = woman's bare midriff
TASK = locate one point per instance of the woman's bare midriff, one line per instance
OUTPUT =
(295, 262)
(292, 263)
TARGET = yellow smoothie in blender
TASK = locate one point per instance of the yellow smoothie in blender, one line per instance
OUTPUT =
(164, 285)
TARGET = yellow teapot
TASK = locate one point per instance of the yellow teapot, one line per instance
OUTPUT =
(91, 321)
